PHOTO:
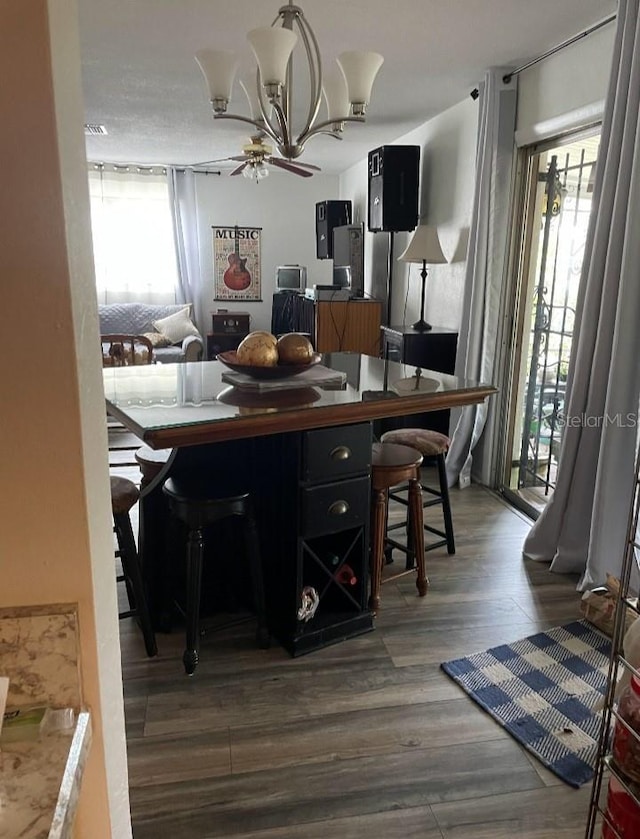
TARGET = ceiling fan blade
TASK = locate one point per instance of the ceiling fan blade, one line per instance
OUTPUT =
(239, 169)
(308, 166)
(290, 167)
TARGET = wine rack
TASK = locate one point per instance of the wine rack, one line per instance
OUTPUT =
(318, 532)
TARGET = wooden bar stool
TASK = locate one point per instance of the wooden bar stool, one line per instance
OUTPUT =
(124, 494)
(434, 445)
(192, 503)
(391, 465)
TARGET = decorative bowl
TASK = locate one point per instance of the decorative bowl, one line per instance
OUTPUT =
(280, 371)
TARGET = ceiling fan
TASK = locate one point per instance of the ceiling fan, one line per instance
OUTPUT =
(255, 157)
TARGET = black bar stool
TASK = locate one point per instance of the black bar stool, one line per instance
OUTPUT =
(151, 462)
(192, 503)
(430, 444)
(124, 494)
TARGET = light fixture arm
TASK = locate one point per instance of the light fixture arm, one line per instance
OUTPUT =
(321, 127)
(261, 125)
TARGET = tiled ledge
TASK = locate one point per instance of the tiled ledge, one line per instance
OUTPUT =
(40, 782)
(40, 774)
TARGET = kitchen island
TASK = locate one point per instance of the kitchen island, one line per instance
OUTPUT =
(303, 451)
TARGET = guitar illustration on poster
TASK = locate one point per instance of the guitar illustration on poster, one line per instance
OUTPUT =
(236, 277)
(236, 259)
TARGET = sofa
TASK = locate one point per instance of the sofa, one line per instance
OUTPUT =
(172, 333)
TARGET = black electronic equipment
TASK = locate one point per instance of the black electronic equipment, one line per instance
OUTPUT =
(329, 214)
(348, 252)
(394, 177)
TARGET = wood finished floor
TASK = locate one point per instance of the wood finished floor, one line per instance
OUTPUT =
(366, 738)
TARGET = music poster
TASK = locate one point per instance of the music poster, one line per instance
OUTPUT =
(236, 263)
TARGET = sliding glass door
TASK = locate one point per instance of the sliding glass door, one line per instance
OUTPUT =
(553, 228)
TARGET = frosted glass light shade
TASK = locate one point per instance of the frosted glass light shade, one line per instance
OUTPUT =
(219, 69)
(359, 70)
(272, 47)
(424, 247)
(337, 97)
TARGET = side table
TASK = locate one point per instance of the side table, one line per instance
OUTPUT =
(434, 349)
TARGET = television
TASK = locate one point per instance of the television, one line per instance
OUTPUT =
(291, 278)
(342, 276)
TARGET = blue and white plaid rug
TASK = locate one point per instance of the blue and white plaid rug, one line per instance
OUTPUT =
(543, 690)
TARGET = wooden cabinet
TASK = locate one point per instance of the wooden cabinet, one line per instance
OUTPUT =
(332, 325)
(344, 325)
(318, 526)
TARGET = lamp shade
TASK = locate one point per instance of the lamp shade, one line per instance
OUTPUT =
(272, 47)
(424, 247)
(337, 96)
(219, 69)
(359, 70)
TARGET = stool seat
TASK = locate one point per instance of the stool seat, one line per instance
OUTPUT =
(194, 502)
(392, 464)
(435, 445)
(124, 494)
(428, 443)
(151, 462)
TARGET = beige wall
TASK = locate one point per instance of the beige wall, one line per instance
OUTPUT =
(55, 539)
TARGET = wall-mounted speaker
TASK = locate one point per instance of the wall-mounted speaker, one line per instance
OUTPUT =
(394, 178)
(329, 214)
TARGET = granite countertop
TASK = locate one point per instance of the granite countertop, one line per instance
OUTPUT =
(40, 782)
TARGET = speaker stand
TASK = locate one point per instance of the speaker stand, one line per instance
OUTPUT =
(389, 279)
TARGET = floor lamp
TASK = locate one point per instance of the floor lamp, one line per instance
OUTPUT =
(424, 247)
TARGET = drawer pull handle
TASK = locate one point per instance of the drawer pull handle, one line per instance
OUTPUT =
(340, 453)
(339, 508)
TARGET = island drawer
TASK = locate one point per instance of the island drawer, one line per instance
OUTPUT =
(331, 453)
(333, 507)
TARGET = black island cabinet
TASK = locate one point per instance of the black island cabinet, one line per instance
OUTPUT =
(315, 533)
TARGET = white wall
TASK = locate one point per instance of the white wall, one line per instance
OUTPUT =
(447, 163)
(284, 206)
(566, 90)
(560, 93)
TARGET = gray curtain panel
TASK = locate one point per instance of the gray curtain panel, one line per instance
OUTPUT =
(485, 281)
(584, 526)
(182, 196)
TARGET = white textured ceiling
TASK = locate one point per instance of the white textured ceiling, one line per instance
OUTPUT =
(141, 81)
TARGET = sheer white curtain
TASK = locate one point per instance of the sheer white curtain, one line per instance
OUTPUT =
(479, 341)
(584, 525)
(132, 235)
(184, 218)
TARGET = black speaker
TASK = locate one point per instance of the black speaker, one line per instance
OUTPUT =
(329, 214)
(394, 177)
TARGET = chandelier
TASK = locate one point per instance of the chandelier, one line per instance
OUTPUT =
(347, 93)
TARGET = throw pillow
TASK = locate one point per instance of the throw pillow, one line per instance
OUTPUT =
(157, 339)
(176, 327)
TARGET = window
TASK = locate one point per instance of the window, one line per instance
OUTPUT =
(132, 229)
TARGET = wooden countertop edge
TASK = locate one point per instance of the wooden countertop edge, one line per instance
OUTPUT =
(287, 421)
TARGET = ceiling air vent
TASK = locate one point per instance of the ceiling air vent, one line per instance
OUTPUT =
(95, 130)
